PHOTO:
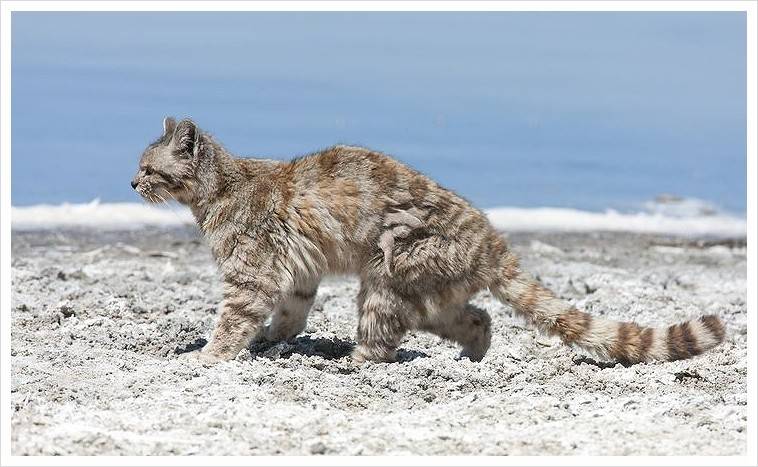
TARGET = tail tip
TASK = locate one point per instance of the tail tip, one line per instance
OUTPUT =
(694, 337)
(715, 327)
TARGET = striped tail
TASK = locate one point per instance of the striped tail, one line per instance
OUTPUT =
(622, 342)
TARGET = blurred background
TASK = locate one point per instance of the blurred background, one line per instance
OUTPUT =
(578, 109)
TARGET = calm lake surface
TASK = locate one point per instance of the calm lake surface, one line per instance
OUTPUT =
(582, 110)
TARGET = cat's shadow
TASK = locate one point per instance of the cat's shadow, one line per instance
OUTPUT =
(333, 348)
(329, 349)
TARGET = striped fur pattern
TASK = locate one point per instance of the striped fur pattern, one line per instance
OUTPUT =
(421, 252)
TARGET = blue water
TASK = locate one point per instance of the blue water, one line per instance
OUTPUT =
(583, 110)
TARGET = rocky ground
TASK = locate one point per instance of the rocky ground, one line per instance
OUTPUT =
(99, 320)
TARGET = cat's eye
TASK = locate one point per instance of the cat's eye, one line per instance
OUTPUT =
(148, 171)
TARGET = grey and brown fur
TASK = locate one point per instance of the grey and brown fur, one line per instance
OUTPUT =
(421, 252)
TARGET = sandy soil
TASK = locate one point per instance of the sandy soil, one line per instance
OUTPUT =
(99, 319)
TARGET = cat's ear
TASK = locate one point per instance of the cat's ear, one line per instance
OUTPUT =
(186, 136)
(169, 125)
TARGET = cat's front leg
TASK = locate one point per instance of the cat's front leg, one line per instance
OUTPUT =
(291, 314)
(244, 310)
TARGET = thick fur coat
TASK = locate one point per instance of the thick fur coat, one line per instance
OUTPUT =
(421, 252)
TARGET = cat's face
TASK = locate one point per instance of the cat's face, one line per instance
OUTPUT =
(166, 169)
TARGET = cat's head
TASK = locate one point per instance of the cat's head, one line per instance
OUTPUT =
(167, 168)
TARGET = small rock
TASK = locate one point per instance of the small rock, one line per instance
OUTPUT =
(66, 310)
(682, 375)
(543, 248)
(162, 254)
(130, 249)
(514, 353)
(545, 341)
(318, 448)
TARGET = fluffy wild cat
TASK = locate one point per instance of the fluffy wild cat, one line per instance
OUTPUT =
(421, 251)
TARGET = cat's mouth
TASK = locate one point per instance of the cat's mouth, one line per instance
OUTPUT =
(154, 195)
(158, 194)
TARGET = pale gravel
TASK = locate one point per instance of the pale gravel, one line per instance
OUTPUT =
(99, 318)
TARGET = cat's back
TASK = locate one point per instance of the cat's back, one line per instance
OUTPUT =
(375, 172)
(359, 181)
(349, 162)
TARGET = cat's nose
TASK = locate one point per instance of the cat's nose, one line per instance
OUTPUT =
(134, 184)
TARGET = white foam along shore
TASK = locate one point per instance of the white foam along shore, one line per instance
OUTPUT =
(116, 216)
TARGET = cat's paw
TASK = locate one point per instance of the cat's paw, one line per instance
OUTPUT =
(272, 335)
(363, 354)
(201, 357)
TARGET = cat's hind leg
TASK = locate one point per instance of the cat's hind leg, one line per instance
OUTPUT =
(384, 318)
(467, 325)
